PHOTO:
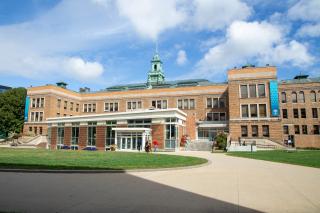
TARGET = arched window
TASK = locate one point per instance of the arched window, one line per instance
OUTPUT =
(283, 97)
(301, 97)
(313, 96)
(155, 67)
(294, 97)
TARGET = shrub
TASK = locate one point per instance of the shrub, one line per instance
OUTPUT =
(221, 140)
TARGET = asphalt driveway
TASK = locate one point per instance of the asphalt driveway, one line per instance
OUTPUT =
(229, 184)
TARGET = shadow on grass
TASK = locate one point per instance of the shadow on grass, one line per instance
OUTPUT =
(116, 192)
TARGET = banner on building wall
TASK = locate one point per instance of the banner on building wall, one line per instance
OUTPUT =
(26, 108)
(274, 98)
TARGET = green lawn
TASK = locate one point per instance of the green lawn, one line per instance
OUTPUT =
(309, 158)
(67, 159)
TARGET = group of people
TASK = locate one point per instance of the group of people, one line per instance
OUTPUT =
(147, 146)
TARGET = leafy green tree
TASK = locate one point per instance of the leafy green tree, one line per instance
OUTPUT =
(221, 140)
(12, 104)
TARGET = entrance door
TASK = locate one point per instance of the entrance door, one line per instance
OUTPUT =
(126, 143)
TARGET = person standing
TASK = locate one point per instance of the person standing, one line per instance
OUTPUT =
(147, 147)
(139, 145)
(155, 145)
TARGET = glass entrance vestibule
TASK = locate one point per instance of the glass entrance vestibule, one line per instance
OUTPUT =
(131, 138)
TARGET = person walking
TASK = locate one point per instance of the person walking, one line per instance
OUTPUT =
(147, 147)
(155, 145)
(139, 145)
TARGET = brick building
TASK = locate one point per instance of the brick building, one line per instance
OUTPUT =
(253, 104)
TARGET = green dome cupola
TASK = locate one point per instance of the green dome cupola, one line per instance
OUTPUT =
(156, 75)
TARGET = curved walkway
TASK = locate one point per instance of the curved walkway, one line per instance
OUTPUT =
(228, 184)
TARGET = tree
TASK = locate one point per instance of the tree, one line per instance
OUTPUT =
(12, 104)
(221, 140)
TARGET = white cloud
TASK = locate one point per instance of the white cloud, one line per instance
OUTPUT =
(40, 48)
(216, 14)
(151, 17)
(83, 70)
(181, 57)
(311, 30)
(258, 42)
(307, 10)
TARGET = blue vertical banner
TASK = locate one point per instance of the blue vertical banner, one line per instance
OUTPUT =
(26, 108)
(274, 98)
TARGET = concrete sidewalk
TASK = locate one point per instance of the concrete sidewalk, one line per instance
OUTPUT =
(259, 185)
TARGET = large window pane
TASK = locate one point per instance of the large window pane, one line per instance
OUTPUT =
(294, 97)
(244, 131)
(222, 102)
(265, 130)
(313, 96)
(209, 102)
(255, 132)
(262, 110)
(244, 111)
(283, 97)
(301, 97)
(215, 103)
(253, 110)
(244, 91)
(261, 90)
(253, 91)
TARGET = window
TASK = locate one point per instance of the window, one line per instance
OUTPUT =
(159, 104)
(32, 116)
(33, 102)
(301, 97)
(284, 113)
(316, 129)
(77, 108)
(110, 134)
(71, 106)
(215, 103)
(295, 113)
(222, 116)
(255, 132)
(286, 129)
(314, 112)
(209, 102)
(36, 116)
(313, 96)
(303, 113)
(30, 128)
(133, 105)
(261, 90)
(75, 134)
(304, 129)
(283, 97)
(294, 97)
(192, 104)
(92, 133)
(171, 135)
(244, 91)
(89, 107)
(244, 131)
(262, 110)
(180, 104)
(42, 102)
(252, 90)
(58, 103)
(146, 123)
(111, 106)
(244, 111)
(186, 103)
(60, 132)
(216, 116)
(265, 130)
(253, 110)
(38, 102)
(65, 105)
(296, 129)
(222, 102)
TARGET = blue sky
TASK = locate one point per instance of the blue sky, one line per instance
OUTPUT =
(99, 43)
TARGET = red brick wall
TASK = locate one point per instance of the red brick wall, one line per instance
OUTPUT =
(101, 136)
(67, 136)
(53, 138)
(158, 134)
(83, 135)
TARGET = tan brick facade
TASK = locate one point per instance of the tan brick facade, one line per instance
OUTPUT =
(72, 104)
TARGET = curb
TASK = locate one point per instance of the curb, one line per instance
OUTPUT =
(102, 171)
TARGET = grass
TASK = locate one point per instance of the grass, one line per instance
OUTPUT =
(89, 160)
(309, 158)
